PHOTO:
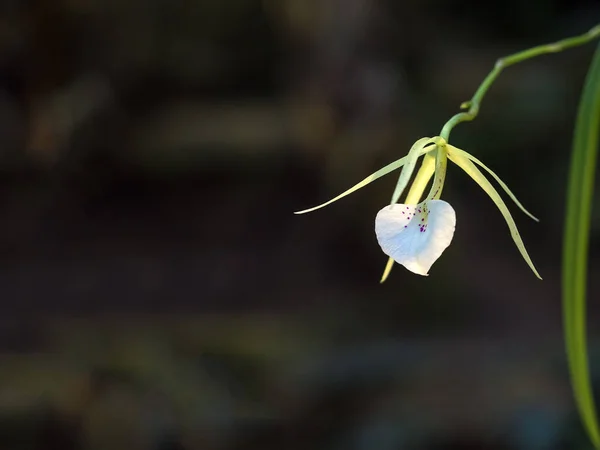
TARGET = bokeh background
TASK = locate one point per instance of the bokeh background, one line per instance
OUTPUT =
(158, 293)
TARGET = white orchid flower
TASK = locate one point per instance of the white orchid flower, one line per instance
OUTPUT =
(415, 233)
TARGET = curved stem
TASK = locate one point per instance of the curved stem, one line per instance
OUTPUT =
(474, 104)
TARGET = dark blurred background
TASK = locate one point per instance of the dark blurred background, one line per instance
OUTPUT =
(157, 291)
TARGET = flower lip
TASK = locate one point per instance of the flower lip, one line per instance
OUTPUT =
(415, 236)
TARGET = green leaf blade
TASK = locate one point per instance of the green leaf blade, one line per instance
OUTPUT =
(575, 246)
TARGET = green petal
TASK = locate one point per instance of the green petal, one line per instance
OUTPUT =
(414, 196)
(472, 170)
(496, 177)
(441, 161)
(411, 161)
(387, 270)
(381, 172)
(420, 182)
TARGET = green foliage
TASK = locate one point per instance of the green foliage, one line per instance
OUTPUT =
(576, 242)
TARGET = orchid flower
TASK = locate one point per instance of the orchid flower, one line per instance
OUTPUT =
(415, 233)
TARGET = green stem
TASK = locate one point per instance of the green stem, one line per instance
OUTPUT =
(474, 104)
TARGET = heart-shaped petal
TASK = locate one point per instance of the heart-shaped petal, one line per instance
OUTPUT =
(415, 235)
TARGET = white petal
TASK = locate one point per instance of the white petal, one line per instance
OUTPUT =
(415, 235)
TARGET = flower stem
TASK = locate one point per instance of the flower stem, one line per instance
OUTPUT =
(474, 104)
